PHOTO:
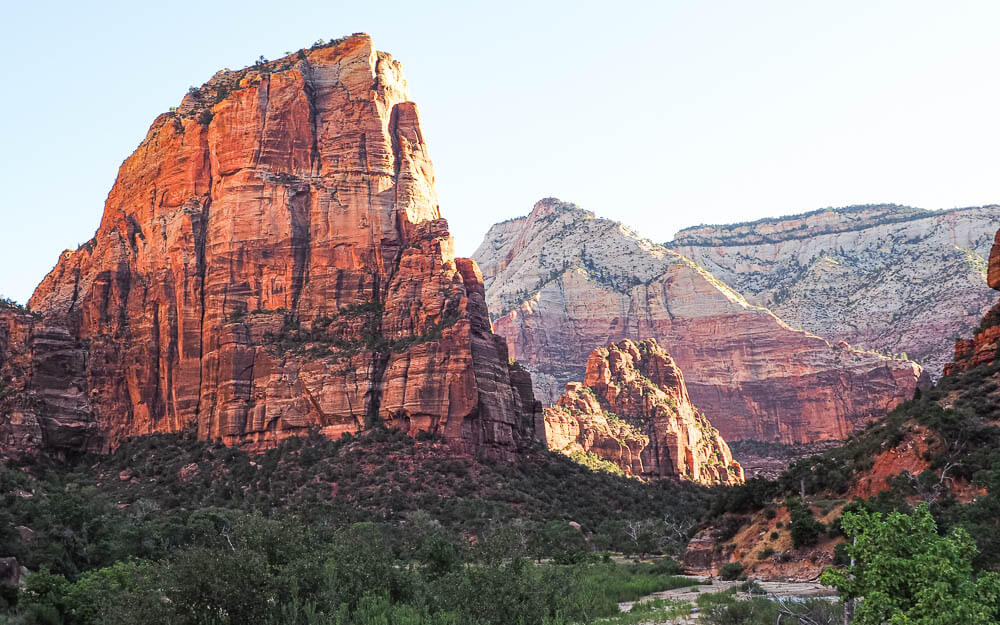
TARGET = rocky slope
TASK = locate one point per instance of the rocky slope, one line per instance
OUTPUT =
(563, 282)
(889, 278)
(633, 410)
(272, 259)
(939, 448)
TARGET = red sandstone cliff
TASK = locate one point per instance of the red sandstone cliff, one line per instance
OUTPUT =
(984, 347)
(43, 400)
(271, 258)
(633, 410)
(563, 282)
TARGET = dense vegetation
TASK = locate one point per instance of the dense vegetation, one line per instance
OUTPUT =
(246, 569)
(8, 304)
(906, 573)
(382, 526)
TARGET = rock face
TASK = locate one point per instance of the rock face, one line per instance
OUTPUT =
(43, 400)
(563, 282)
(889, 278)
(272, 258)
(19, 427)
(984, 347)
(633, 410)
(915, 441)
(10, 572)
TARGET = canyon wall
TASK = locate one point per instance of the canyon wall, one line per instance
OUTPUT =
(562, 282)
(984, 346)
(633, 410)
(889, 278)
(43, 398)
(272, 259)
(949, 425)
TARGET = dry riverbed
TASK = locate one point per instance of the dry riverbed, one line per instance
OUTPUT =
(702, 585)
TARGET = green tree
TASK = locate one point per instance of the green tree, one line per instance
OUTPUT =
(121, 594)
(907, 574)
(805, 529)
(43, 599)
(221, 587)
(560, 541)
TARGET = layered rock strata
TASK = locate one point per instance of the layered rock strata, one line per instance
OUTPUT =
(633, 410)
(562, 282)
(43, 399)
(890, 278)
(272, 259)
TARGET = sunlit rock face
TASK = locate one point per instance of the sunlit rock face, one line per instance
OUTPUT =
(890, 278)
(633, 410)
(272, 259)
(562, 282)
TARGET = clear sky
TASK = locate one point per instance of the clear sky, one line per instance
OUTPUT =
(659, 114)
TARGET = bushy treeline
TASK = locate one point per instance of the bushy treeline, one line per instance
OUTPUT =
(239, 568)
(139, 501)
(380, 528)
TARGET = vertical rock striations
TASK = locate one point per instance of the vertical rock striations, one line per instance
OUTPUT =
(563, 282)
(43, 399)
(271, 258)
(633, 410)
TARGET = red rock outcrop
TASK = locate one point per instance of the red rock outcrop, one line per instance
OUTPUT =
(563, 282)
(633, 410)
(272, 259)
(984, 347)
(19, 427)
(43, 400)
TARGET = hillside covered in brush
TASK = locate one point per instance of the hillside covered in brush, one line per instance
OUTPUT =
(941, 448)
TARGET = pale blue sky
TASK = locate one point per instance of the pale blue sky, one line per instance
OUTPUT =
(660, 114)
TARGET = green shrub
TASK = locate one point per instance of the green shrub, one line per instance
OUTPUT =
(804, 528)
(731, 571)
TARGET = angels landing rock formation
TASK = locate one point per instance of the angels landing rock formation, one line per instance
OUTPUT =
(891, 278)
(271, 259)
(633, 410)
(564, 282)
